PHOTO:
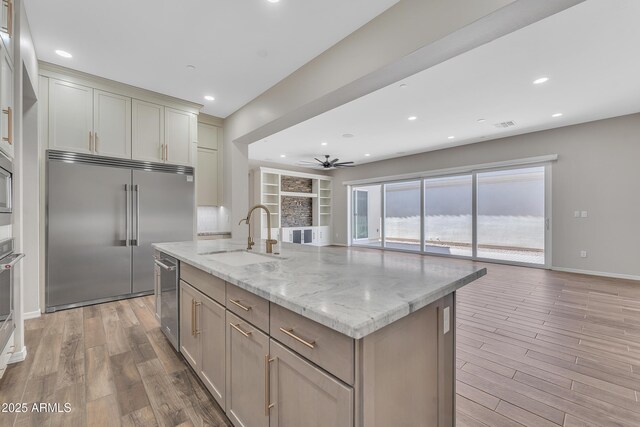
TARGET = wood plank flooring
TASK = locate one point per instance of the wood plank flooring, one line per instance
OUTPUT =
(533, 347)
(113, 365)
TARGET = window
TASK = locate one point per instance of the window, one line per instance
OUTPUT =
(367, 214)
(448, 221)
(485, 214)
(402, 215)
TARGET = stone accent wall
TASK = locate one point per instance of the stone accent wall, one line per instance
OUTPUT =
(296, 211)
(296, 185)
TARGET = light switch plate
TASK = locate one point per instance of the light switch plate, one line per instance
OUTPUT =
(446, 320)
(584, 214)
(576, 214)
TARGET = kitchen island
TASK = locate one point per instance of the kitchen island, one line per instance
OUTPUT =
(321, 336)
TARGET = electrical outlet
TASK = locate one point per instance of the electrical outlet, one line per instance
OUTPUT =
(583, 254)
(584, 214)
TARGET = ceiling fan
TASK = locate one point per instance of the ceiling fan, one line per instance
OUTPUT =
(329, 164)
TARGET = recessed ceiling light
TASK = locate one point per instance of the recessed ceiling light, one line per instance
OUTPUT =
(283, 155)
(411, 118)
(367, 155)
(63, 53)
(191, 67)
(556, 115)
(451, 137)
(482, 120)
(323, 143)
(273, 1)
(348, 135)
(540, 80)
(403, 85)
(209, 98)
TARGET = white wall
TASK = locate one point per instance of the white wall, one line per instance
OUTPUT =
(597, 171)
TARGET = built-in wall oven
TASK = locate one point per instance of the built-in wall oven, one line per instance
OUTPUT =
(6, 172)
(8, 260)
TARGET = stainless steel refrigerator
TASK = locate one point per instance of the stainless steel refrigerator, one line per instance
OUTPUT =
(102, 216)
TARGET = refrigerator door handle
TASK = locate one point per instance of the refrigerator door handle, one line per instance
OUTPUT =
(127, 215)
(137, 240)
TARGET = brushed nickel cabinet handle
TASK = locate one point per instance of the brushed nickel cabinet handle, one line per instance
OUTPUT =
(96, 140)
(267, 385)
(237, 328)
(289, 332)
(90, 141)
(237, 302)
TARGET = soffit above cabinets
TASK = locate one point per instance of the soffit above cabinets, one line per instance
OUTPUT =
(587, 52)
(239, 48)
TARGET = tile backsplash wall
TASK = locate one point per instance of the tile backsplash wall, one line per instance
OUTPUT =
(212, 218)
(295, 184)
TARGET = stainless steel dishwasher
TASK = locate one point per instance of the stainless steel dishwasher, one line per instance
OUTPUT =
(168, 282)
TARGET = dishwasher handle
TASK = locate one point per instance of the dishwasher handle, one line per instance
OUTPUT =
(165, 266)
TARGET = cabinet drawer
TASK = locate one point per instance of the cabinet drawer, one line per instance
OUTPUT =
(250, 307)
(325, 347)
(209, 285)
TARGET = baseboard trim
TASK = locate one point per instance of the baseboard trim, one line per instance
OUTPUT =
(31, 315)
(18, 356)
(597, 273)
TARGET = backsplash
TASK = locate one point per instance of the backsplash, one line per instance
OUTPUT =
(296, 211)
(212, 218)
(296, 185)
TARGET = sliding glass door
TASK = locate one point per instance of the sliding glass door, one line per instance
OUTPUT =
(498, 215)
(366, 216)
(511, 215)
(448, 220)
(402, 215)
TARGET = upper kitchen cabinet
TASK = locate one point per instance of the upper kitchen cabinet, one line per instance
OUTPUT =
(112, 124)
(209, 167)
(91, 115)
(147, 131)
(6, 103)
(70, 117)
(179, 133)
(87, 120)
(6, 25)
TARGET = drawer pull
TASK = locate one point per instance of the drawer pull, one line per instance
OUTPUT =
(310, 344)
(237, 328)
(237, 302)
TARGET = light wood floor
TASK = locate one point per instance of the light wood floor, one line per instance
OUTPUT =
(534, 348)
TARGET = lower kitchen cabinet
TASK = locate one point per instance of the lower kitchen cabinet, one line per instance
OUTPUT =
(303, 395)
(202, 338)
(190, 345)
(247, 366)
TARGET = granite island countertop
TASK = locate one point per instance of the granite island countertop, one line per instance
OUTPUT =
(351, 291)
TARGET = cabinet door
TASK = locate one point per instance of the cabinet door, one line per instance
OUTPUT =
(303, 395)
(70, 117)
(211, 321)
(147, 131)
(247, 357)
(178, 136)
(112, 124)
(189, 340)
(6, 103)
(207, 136)
(7, 25)
(207, 177)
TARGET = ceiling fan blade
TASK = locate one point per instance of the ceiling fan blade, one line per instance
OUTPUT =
(318, 160)
(334, 161)
(344, 166)
(343, 163)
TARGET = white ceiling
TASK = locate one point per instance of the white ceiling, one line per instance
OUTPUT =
(589, 53)
(240, 47)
